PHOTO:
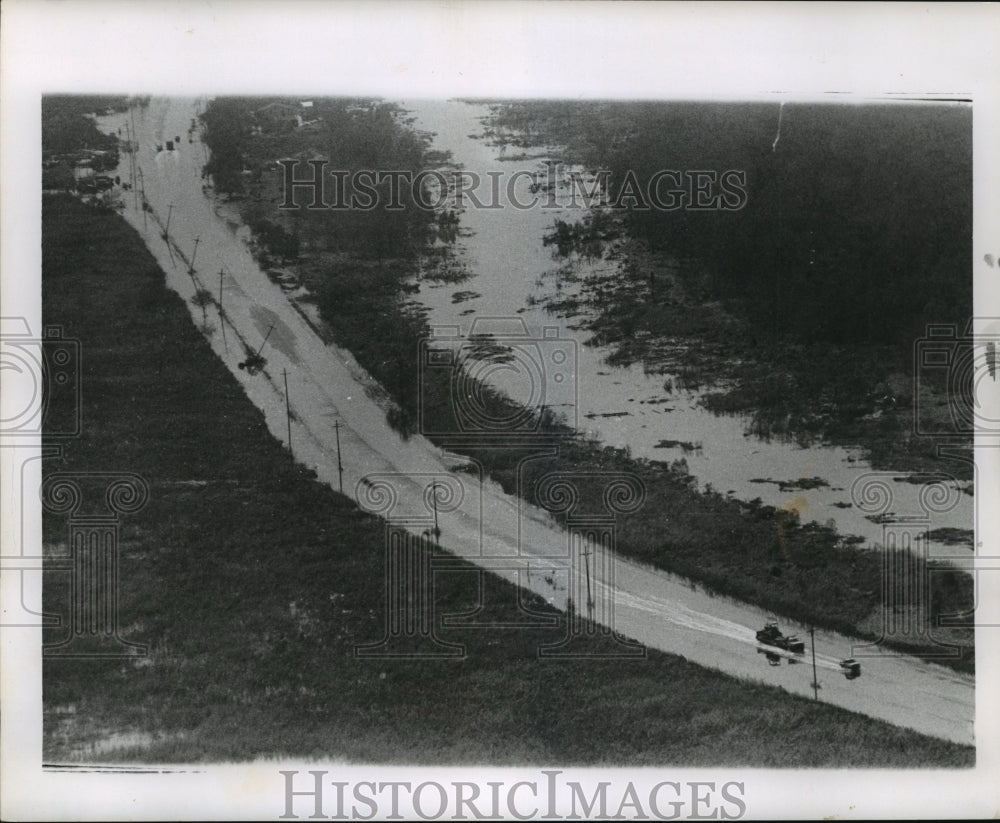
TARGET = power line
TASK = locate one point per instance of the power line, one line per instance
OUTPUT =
(288, 411)
(142, 186)
(812, 639)
(222, 316)
(590, 597)
(340, 465)
(265, 339)
(434, 500)
(194, 254)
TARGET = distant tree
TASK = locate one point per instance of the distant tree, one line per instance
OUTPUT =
(227, 130)
(202, 299)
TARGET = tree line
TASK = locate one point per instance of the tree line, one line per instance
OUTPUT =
(352, 134)
(857, 225)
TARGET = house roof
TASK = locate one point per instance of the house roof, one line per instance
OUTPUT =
(306, 155)
(278, 107)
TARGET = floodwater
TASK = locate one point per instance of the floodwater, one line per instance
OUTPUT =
(513, 274)
(397, 478)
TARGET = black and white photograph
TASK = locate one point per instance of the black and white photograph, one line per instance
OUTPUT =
(500, 411)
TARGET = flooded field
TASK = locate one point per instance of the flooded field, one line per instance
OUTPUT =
(514, 275)
(484, 523)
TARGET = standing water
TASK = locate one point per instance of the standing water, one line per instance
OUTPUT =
(513, 274)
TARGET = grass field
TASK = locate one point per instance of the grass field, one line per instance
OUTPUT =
(251, 583)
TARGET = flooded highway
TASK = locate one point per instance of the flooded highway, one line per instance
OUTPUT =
(391, 476)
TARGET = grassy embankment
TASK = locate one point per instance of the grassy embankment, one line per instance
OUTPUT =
(750, 552)
(251, 583)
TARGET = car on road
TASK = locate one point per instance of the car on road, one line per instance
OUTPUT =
(851, 668)
(771, 635)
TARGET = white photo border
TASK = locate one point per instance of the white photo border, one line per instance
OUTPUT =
(488, 49)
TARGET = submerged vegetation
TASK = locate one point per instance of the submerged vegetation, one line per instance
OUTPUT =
(352, 261)
(803, 304)
(248, 136)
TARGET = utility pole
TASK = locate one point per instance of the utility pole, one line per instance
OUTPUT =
(812, 640)
(132, 164)
(340, 466)
(142, 186)
(166, 231)
(288, 411)
(194, 254)
(131, 114)
(590, 598)
(434, 501)
(128, 151)
(222, 317)
(265, 339)
(133, 145)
